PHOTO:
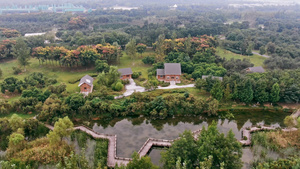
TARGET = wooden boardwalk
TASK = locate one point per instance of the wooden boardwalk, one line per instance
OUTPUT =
(112, 158)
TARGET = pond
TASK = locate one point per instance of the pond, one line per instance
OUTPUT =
(133, 132)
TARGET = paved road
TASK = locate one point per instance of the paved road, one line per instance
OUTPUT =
(174, 86)
(266, 56)
(132, 87)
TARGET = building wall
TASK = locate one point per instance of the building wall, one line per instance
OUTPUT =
(85, 88)
(168, 78)
(175, 78)
(161, 78)
(124, 77)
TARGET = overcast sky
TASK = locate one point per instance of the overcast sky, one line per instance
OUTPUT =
(133, 2)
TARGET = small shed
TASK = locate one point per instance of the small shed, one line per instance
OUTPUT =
(126, 73)
(213, 77)
(258, 69)
(86, 84)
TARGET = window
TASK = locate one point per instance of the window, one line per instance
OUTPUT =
(127, 75)
(84, 88)
(172, 77)
(161, 76)
(168, 77)
(177, 77)
(121, 76)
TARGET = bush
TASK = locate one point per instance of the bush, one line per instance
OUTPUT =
(164, 84)
(110, 97)
(16, 70)
(125, 82)
(136, 75)
(142, 79)
(149, 60)
(118, 86)
(245, 138)
(51, 81)
(0, 73)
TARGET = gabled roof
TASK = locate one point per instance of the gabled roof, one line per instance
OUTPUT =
(160, 72)
(125, 71)
(213, 77)
(258, 69)
(86, 79)
(172, 69)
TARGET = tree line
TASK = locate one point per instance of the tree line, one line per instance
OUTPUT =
(275, 86)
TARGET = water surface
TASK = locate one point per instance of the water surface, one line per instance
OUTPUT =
(133, 132)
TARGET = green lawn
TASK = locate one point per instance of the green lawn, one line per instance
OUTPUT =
(255, 59)
(24, 116)
(62, 74)
(65, 74)
(136, 64)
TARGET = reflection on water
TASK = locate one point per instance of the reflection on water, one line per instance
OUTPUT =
(155, 156)
(133, 132)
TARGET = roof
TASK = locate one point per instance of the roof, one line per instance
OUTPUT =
(213, 77)
(258, 69)
(160, 71)
(86, 79)
(125, 71)
(172, 69)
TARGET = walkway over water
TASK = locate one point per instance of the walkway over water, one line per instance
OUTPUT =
(112, 158)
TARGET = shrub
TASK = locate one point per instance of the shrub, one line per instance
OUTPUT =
(142, 79)
(110, 97)
(16, 70)
(149, 60)
(125, 82)
(0, 73)
(118, 86)
(164, 84)
(51, 81)
(136, 75)
(245, 138)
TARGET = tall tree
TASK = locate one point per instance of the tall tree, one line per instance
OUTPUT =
(260, 93)
(235, 93)
(62, 128)
(217, 91)
(141, 48)
(188, 45)
(184, 148)
(223, 149)
(227, 93)
(22, 52)
(160, 48)
(262, 50)
(140, 162)
(246, 94)
(274, 95)
(130, 48)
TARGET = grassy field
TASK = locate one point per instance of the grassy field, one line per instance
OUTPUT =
(62, 74)
(24, 116)
(65, 74)
(136, 64)
(255, 59)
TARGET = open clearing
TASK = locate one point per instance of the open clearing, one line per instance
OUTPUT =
(255, 59)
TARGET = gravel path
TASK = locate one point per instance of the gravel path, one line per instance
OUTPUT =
(266, 56)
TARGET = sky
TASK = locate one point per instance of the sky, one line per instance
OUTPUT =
(133, 2)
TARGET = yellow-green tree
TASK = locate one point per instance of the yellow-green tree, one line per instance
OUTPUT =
(62, 128)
